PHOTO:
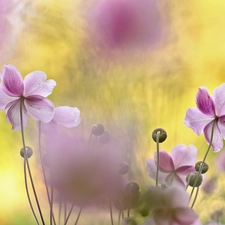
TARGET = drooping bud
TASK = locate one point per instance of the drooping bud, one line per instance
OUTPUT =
(97, 129)
(194, 179)
(132, 188)
(123, 168)
(205, 167)
(105, 137)
(161, 133)
(28, 152)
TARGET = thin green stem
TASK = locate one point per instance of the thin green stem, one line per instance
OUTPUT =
(43, 172)
(26, 164)
(68, 216)
(111, 213)
(157, 150)
(201, 167)
(196, 195)
(78, 216)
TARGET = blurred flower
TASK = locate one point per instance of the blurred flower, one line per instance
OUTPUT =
(209, 111)
(63, 115)
(221, 162)
(209, 185)
(126, 23)
(84, 174)
(173, 168)
(169, 207)
(28, 95)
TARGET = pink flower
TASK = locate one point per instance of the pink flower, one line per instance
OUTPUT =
(209, 111)
(173, 168)
(28, 95)
(126, 23)
(221, 162)
(170, 207)
(65, 116)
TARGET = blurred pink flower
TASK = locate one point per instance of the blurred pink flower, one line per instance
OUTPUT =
(209, 110)
(221, 162)
(126, 23)
(83, 175)
(30, 95)
(173, 168)
(64, 115)
(169, 207)
(209, 185)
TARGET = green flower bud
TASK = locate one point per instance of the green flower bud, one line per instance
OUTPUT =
(162, 135)
(27, 151)
(194, 179)
(205, 167)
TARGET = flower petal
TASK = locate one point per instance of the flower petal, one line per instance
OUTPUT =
(185, 216)
(174, 179)
(185, 170)
(196, 120)
(50, 129)
(221, 125)
(183, 155)
(67, 116)
(35, 84)
(219, 99)
(204, 102)
(217, 142)
(12, 83)
(13, 114)
(39, 108)
(5, 99)
(165, 161)
(151, 169)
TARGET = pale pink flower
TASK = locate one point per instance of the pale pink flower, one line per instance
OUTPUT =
(209, 111)
(173, 168)
(28, 95)
(221, 162)
(126, 23)
(65, 116)
(169, 207)
(84, 175)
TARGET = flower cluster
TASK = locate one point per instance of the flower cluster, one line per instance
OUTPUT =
(95, 173)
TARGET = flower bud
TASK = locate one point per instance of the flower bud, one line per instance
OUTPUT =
(97, 129)
(129, 221)
(123, 168)
(132, 188)
(205, 167)
(194, 179)
(161, 133)
(27, 151)
(105, 137)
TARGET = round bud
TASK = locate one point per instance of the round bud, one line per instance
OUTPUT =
(205, 167)
(132, 188)
(161, 133)
(123, 168)
(105, 137)
(97, 129)
(28, 152)
(144, 211)
(129, 221)
(194, 179)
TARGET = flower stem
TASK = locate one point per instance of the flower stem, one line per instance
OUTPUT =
(202, 164)
(44, 174)
(78, 216)
(157, 149)
(27, 168)
(68, 216)
(111, 214)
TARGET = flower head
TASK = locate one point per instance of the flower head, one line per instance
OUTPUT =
(169, 207)
(173, 168)
(209, 114)
(26, 96)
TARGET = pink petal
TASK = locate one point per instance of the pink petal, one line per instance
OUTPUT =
(165, 161)
(151, 169)
(13, 114)
(204, 102)
(185, 216)
(221, 125)
(5, 99)
(196, 120)
(67, 116)
(39, 108)
(50, 128)
(12, 83)
(162, 217)
(217, 142)
(174, 179)
(219, 100)
(35, 84)
(183, 155)
(185, 170)
(176, 196)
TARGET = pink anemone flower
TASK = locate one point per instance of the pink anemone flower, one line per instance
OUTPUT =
(173, 168)
(170, 207)
(27, 97)
(210, 112)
